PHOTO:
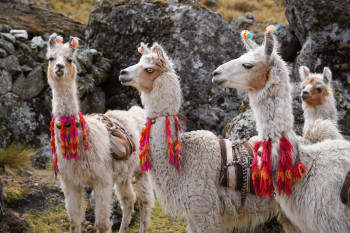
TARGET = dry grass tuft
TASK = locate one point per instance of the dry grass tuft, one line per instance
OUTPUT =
(268, 11)
(15, 159)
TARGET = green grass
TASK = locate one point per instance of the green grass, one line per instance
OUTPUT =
(15, 159)
(54, 219)
(161, 222)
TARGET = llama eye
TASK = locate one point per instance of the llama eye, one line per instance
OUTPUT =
(148, 70)
(69, 60)
(319, 89)
(247, 66)
(51, 59)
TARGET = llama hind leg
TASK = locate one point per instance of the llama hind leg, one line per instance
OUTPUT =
(127, 199)
(146, 200)
(103, 200)
(74, 204)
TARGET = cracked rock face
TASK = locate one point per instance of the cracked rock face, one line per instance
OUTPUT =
(197, 40)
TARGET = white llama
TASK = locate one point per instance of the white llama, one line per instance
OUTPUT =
(94, 166)
(195, 190)
(314, 204)
(319, 106)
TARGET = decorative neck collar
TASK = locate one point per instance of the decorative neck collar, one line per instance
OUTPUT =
(262, 178)
(71, 149)
(173, 150)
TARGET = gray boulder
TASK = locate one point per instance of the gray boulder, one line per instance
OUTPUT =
(7, 46)
(9, 37)
(10, 64)
(5, 82)
(42, 157)
(30, 86)
(197, 40)
(21, 35)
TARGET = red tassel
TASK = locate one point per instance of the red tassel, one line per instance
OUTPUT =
(256, 176)
(285, 165)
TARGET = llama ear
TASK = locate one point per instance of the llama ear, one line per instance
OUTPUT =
(327, 75)
(156, 48)
(52, 41)
(73, 43)
(143, 49)
(304, 72)
(269, 43)
(249, 44)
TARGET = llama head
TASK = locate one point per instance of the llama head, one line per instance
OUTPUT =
(153, 63)
(61, 69)
(315, 87)
(253, 70)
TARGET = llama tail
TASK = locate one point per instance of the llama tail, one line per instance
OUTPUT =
(320, 130)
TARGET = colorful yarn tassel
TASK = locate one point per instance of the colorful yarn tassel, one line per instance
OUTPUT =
(247, 34)
(177, 145)
(144, 155)
(272, 28)
(83, 126)
(169, 141)
(53, 146)
(70, 149)
(285, 166)
(286, 173)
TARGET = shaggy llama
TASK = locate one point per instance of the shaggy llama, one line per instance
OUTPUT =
(318, 103)
(264, 75)
(195, 190)
(94, 166)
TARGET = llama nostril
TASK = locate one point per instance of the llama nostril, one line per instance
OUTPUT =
(60, 66)
(216, 73)
(123, 72)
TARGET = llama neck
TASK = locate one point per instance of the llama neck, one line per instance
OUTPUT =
(323, 111)
(272, 108)
(65, 101)
(165, 98)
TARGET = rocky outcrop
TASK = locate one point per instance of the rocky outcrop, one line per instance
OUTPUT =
(37, 20)
(197, 40)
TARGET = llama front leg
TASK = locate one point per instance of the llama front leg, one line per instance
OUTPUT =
(127, 199)
(74, 204)
(103, 200)
(287, 225)
(146, 200)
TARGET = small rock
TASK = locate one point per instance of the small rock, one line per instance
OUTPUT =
(250, 15)
(7, 46)
(89, 227)
(57, 185)
(25, 48)
(5, 28)
(86, 223)
(210, 3)
(85, 58)
(9, 37)
(26, 68)
(10, 64)
(242, 23)
(29, 173)
(42, 157)
(5, 82)
(26, 181)
(21, 35)
(37, 42)
(36, 184)
(2, 53)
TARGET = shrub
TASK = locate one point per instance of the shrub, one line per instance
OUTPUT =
(15, 159)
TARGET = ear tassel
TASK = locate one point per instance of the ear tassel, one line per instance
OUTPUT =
(75, 42)
(247, 34)
(272, 28)
(59, 39)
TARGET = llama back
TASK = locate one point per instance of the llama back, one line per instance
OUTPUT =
(320, 130)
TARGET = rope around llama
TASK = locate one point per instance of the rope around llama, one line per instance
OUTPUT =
(262, 178)
(173, 151)
(71, 149)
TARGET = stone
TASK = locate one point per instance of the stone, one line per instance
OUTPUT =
(241, 127)
(30, 86)
(7, 46)
(5, 28)
(37, 42)
(2, 53)
(289, 43)
(94, 102)
(9, 37)
(21, 35)
(26, 68)
(250, 15)
(10, 64)
(197, 40)
(242, 23)
(85, 59)
(5, 82)
(42, 157)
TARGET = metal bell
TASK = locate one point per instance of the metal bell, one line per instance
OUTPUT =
(58, 124)
(153, 121)
(77, 124)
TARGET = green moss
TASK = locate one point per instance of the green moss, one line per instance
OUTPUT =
(160, 223)
(12, 195)
(344, 66)
(54, 219)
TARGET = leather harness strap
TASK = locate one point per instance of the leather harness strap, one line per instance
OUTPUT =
(345, 191)
(223, 177)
